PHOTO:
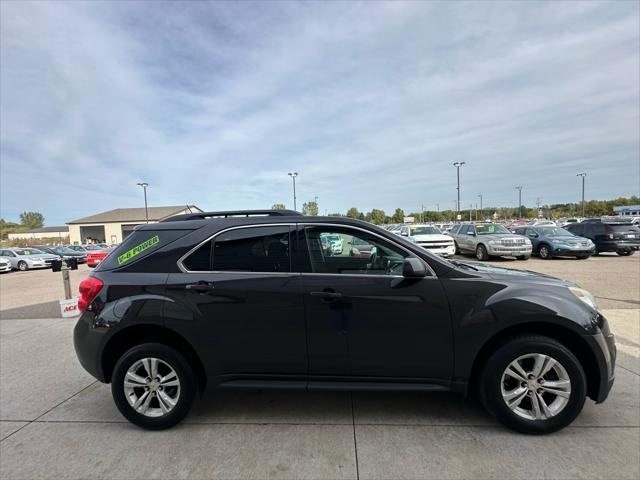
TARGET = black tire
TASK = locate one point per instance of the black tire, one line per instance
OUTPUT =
(523, 257)
(491, 383)
(22, 266)
(545, 252)
(481, 253)
(457, 252)
(625, 253)
(185, 375)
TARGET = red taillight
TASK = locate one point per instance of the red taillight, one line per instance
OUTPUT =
(89, 288)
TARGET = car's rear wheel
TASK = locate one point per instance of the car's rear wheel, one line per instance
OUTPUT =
(153, 386)
(625, 253)
(22, 266)
(481, 253)
(545, 252)
(533, 384)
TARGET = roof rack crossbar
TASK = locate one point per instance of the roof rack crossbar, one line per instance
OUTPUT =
(232, 213)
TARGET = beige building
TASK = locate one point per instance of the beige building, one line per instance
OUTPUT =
(39, 233)
(115, 225)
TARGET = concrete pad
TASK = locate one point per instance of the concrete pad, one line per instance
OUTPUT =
(7, 428)
(625, 323)
(95, 404)
(273, 407)
(621, 409)
(38, 367)
(480, 452)
(115, 450)
(419, 408)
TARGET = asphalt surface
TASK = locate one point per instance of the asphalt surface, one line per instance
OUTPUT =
(56, 421)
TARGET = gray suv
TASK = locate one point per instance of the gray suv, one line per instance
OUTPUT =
(486, 240)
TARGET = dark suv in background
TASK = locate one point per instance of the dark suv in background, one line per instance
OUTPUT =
(253, 300)
(609, 236)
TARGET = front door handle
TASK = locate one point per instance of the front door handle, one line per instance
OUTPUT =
(327, 294)
(200, 287)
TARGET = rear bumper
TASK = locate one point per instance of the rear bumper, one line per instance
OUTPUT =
(615, 245)
(89, 343)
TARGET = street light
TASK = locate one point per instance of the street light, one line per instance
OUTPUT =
(480, 195)
(582, 175)
(144, 186)
(519, 201)
(293, 176)
(458, 165)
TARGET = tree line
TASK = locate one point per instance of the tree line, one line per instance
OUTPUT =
(592, 208)
(28, 221)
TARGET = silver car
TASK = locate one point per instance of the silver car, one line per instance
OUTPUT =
(27, 258)
(486, 240)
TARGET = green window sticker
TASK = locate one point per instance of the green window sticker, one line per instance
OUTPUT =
(126, 256)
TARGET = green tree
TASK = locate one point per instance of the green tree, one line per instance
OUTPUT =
(353, 213)
(376, 216)
(310, 208)
(278, 206)
(7, 227)
(398, 216)
(31, 219)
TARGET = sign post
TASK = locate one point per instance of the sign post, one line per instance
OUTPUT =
(68, 306)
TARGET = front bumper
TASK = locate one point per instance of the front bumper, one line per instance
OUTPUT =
(568, 251)
(444, 249)
(603, 346)
(6, 268)
(509, 251)
(39, 264)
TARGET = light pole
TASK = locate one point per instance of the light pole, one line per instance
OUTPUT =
(582, 175)
(293, 176)
(458, 165)
(480, 195)
(519, 201)
(144, 186)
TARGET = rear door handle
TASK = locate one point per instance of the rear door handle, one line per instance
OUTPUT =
(200, 287)
(327, 294)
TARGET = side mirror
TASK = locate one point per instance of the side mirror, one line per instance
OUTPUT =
(413, 268)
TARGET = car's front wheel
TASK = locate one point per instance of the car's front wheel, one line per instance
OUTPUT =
(22, 266)
(481, 253)
(153, 386)
(625, 253)
(533, 384)
(545, 252)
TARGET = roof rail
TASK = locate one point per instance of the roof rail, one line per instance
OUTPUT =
(232, 213)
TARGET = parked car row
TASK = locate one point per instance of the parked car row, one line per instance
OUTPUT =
(537, 237)
(27, 258)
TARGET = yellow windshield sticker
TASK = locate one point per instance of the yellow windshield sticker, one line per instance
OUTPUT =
(126, 256)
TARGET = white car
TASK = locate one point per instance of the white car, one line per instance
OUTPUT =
(336, 244)
(5, 265)
(27, 258)
(429, 238)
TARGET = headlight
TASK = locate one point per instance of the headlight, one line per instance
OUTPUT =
(585, 296)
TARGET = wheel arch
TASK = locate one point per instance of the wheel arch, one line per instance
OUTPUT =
(136, 334)
(569, 338)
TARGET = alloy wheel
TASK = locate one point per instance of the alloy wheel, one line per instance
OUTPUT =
(152, 387)
(535, 386)
(544, 252)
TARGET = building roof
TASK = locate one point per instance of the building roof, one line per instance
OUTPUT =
(63, 228)
(125, 215)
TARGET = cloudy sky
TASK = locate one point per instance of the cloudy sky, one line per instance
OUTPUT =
(213, 103)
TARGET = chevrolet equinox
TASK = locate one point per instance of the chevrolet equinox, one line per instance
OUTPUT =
(253, 300)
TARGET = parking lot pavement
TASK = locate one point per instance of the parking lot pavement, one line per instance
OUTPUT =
(57, 422)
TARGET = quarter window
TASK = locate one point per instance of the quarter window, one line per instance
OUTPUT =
(346, 251)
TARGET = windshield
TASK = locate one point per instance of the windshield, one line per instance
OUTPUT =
(424, 230)
(490, 228)
(28, 251)
(555, 232)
